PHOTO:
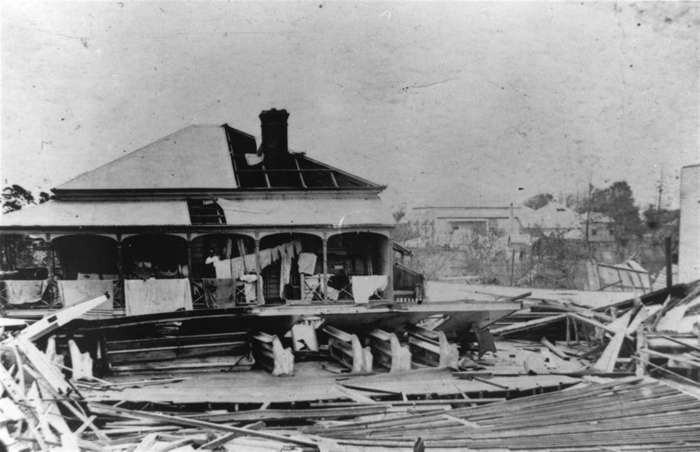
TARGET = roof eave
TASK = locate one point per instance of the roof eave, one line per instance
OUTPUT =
(206, 193)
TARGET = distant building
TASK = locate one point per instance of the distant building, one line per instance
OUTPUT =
(689, 246)
(552, 220)
(600, 227)
(455, 226)
(447, 225)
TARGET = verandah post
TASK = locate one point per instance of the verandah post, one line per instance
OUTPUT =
(259, 284)
(324, 276)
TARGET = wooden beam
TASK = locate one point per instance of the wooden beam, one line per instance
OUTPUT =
(188, 422)
(324, 280)
(301, 174)
(59, 318)
(516, 327)
(554, 349)
(258, 271)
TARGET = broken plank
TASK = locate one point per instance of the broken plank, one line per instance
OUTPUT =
(44, 367)
(606, 362)
(59, 318)
(357, 396)
(517, 327)
(292, 414)
(685, 344)
(177, 420)
(677, 358)
(67, 403)
(126, 356)
(186, 364)
(220, 441)
(460, 420)
(596, 324)
(554, 349)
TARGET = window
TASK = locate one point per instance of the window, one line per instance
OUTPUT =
(205, 212)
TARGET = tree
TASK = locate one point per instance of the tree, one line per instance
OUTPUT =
(655, 219)
(14, 197)
(538, 201)
(616, 202)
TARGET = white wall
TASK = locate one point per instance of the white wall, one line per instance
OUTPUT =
(689, 247)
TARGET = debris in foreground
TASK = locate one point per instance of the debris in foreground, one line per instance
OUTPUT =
(514, 394)
(640, 413)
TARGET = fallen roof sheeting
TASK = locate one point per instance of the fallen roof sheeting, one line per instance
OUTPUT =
(631, 412)
(445, 290)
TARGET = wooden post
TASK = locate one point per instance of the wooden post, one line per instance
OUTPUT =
(669, 262)
(50, 269)
(640, 368)
(258, 270)
(189, 257)
(388, 269)
(119, 291)
(53, 259)
(324, 277)
(120, 258)
(568, 330)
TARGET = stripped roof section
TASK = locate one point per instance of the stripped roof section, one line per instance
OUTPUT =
(289, 171)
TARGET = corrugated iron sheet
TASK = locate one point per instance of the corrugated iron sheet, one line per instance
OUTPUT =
(102, 213)
(295, 212)
(193, 157)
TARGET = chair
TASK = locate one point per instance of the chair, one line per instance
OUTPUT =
(311, 287)
(239, 293)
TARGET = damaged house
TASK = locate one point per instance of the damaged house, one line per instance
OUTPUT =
(204, 218)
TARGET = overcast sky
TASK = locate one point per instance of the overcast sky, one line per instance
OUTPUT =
(450, 103)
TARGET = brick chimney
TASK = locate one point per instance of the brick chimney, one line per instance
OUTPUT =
(273, 124)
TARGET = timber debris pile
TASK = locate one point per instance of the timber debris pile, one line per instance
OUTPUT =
(613, 377)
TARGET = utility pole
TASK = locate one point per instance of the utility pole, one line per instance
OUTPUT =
(660, 189)
(588, 209)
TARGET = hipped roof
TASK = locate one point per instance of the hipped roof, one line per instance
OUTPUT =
(193, 157)
(152, 185)
(207, 158)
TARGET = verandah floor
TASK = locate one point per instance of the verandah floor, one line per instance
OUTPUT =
(310, 382)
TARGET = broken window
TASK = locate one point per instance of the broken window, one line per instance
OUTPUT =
(205, 212)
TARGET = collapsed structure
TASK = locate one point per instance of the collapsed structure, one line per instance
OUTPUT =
(202, 255)
(207, 228)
